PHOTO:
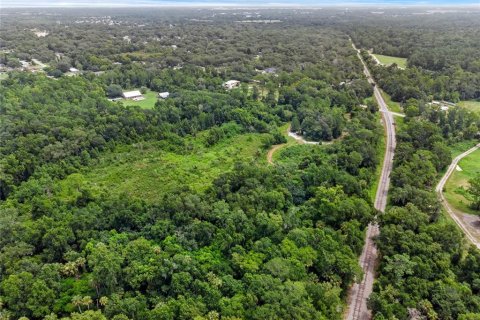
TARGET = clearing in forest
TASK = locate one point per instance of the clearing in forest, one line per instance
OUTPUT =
(456, 186)
(147, 103)
(388, 60)
(146, 171)
(471, 105)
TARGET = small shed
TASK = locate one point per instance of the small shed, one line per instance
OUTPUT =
(164, 95)
(230, 84)
(133, 95)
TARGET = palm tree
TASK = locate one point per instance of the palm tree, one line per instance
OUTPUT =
(77, 301)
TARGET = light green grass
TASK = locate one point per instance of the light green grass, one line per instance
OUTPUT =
(147, 103)
(458, 182)
(399, 124)
(3, 76)
(388, 60)
(462, 146)
(392, 105)
(147, 172)
(471, 105)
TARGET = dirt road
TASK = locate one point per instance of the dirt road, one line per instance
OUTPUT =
(299, 139)
(272, 151)
(464, 221)
(359, 293)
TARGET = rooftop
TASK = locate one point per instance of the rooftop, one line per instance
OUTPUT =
(131, 94)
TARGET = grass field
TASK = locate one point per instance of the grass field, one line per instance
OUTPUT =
(147, 172)
(455, 187)
(471, 105)
(3, 76)
(460, 147)
(147, 103)
(388, 60)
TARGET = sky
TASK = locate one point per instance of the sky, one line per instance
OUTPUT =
(136, 3)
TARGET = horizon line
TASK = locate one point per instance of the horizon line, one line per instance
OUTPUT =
(277, 5)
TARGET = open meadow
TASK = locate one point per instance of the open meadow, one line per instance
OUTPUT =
(388, 60)
(471, 105)
(456, 186)
(147, 103)
(145, 171)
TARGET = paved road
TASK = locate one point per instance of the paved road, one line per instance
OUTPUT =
(357, 301)
(446, 205)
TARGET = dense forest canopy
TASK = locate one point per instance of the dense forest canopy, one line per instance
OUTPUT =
(443, 54)
(257, 241)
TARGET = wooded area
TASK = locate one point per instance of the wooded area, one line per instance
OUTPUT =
(256, 241)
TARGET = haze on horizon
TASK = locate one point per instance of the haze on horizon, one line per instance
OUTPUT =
(146, 3)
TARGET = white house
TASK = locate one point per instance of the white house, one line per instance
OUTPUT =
(230, 84)
(164, 95)
(444, 105)
(133, 95)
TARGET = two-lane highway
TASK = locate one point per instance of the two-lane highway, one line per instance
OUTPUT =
(357, 302)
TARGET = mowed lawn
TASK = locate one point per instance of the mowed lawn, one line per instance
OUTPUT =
(147, 103)
(388, 60)
(454, 193)
(471, 105)
(147, 172)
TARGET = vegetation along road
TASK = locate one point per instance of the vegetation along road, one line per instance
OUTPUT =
(448, 208)
(357, 302)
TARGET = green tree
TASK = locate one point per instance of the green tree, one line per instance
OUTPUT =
(41, 299)
(106, 267)
(474, 191)
(295, 126)
(114, 90)
(16, 290)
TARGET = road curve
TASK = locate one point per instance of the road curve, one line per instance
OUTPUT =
(446, 205)
(359, 293)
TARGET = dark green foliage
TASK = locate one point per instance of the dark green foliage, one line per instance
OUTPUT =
(443, 55)
(262, 242)
(422, 269)
(114, 91)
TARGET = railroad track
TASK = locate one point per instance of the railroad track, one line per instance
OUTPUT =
(359, 293)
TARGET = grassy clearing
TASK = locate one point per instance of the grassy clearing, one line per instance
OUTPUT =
(147, 172)
(399, 123)
(458, 182)
(471, 105)
(462, 146)
(388, 60)
(147, 103)
(291, 155)
(3, 76)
